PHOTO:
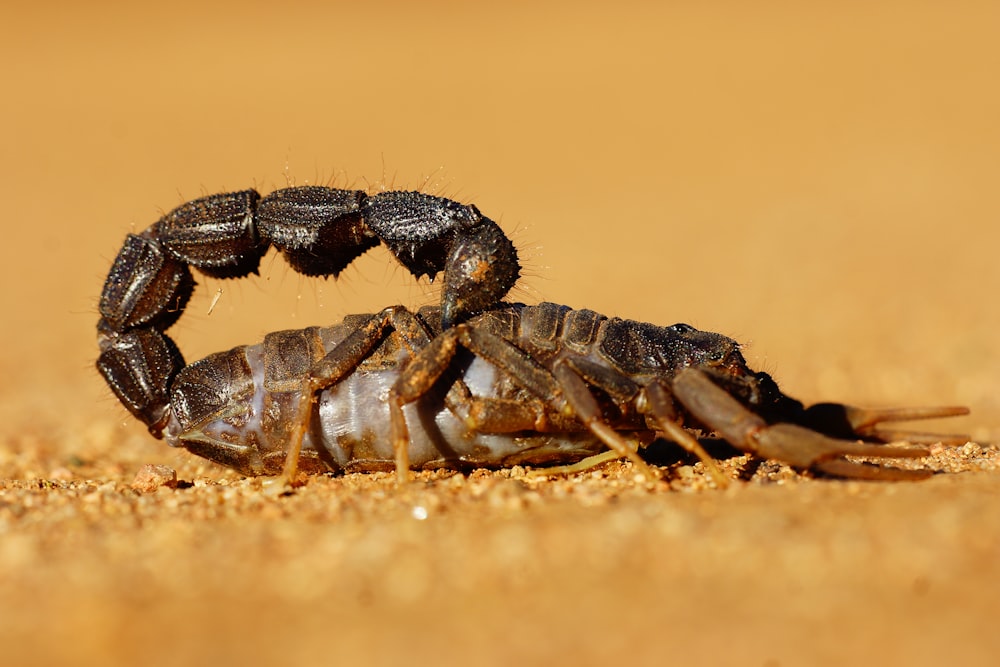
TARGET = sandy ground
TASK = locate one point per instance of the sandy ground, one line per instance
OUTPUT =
(819, 183)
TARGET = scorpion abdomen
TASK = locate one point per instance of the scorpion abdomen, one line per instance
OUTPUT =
(239, 407)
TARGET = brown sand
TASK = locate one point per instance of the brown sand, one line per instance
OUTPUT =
(820, 183)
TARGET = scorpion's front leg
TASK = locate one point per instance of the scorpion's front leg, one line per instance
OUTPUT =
(653, 400)
(660, 405)
(796, 445)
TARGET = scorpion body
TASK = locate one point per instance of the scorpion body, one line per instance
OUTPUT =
(256, 393)
(514, 385)
(471, 382)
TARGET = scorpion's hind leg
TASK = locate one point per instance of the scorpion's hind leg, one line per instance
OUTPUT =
(340, 362)
(796, 445)
(423, 371)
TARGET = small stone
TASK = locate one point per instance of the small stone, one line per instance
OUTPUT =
(151, 477)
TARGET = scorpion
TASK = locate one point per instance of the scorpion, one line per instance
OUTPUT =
(472, 382)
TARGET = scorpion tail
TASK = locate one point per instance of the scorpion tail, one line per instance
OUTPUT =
(481, 268)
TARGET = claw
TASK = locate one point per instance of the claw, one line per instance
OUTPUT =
(799, 445)
(847, 421)
(802, 448)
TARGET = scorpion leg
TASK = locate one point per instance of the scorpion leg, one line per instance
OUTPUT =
(340, 362)
(480, 414)
(616, 385)
(414, 381)
(796, 445)
(664, 414)
(658, 405)
(585, 406)
(563, 388)
(429, 359)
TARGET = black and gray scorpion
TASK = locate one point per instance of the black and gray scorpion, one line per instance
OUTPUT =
(474, 382)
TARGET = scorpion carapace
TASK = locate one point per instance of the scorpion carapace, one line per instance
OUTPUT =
(513, 385)
(319, 230)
